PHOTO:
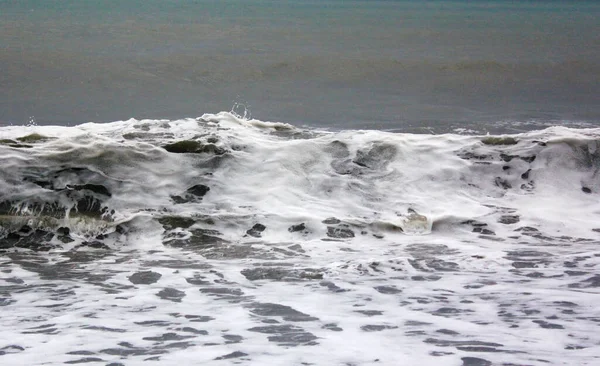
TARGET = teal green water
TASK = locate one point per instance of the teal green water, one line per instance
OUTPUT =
(344, 64)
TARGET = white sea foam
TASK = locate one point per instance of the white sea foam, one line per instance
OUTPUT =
(298, 250)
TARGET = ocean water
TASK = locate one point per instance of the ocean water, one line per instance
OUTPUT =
(299, 183)
(236, 241)
(417, 66)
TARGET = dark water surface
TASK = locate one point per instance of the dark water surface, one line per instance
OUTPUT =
(405, 65)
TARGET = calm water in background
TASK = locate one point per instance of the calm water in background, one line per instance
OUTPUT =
(400, 65)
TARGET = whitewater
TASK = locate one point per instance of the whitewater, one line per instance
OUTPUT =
(228, 240)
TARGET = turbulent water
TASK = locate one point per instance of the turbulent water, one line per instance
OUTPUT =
(230, 240)
(429, 196)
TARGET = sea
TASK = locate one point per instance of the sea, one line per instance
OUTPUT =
(300, 182)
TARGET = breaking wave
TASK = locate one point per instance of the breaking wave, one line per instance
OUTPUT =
(220, 179)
